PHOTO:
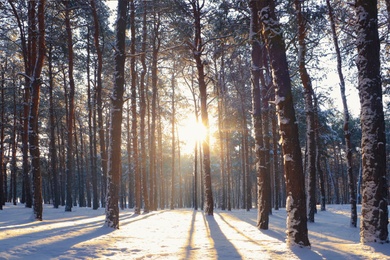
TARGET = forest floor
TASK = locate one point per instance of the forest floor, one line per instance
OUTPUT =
(175, 234)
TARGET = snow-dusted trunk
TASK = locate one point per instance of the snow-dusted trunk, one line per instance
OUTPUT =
(197, 49)
(70, 118)
(374, 219)
(102, 141)
(347, 133)
(35, 86)
(297, 233)
(309, 109)
(114, 161)
(262, 209)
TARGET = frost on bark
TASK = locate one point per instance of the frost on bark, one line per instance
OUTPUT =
(297, 233)
(374, 218)
(114, 162)
(309, 110)
(263, 208)
(35, 86)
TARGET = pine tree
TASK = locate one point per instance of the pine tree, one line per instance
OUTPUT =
(114, 165)
(374, 219)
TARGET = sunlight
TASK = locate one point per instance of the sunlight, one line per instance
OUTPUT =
(190, 132)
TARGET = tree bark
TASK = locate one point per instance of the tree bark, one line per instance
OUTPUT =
(99, 102)
(35, 85)
(256, 66)
(70, 118)
(142, 173)
(308, 93)
(297, 233)
(374, 219)
(114, 166)
(134, 121)
(197, 49)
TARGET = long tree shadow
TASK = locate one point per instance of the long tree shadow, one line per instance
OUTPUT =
(189, 247)
(224, 248)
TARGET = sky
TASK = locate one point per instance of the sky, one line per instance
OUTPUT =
(176, 234)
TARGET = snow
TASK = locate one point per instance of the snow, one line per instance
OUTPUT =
(176, 234)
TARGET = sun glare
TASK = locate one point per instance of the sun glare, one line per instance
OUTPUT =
(190, 132)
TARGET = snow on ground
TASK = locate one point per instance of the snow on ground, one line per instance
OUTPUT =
(175, 234)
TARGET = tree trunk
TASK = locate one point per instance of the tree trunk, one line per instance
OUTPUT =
(70, 119)
(308, 93)
(295, 183)
(102, 141)
(262, 209)
(35, 85)
(52, 138)
(374, 219)
(173, 146)
(92, 134)
(197, 49)
(114, 169)
(81, 168)
(347, 133)
(143, 146)
(134, 121)
(318, 155)
(152, 152)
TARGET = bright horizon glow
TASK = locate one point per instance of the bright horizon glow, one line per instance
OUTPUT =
(190, 132)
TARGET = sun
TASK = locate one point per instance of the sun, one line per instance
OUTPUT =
(190, 132)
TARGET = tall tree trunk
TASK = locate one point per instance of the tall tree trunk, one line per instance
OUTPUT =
(13, 156)
(275, 160)
(92, 157)
(130, 167)
(347, 133)
(35, 86)
(263, 210)
(99, 102)
(82, 202)
(69, 152)
(374, 219)
(114, 166)
(152, 152)
(318, 155)
(308, 93)
(197, 50)
(173, 146)
(134, 121)
(52, 138)
(143, 146)
(297, 233)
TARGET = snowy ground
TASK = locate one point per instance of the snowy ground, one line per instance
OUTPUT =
(175, 234)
